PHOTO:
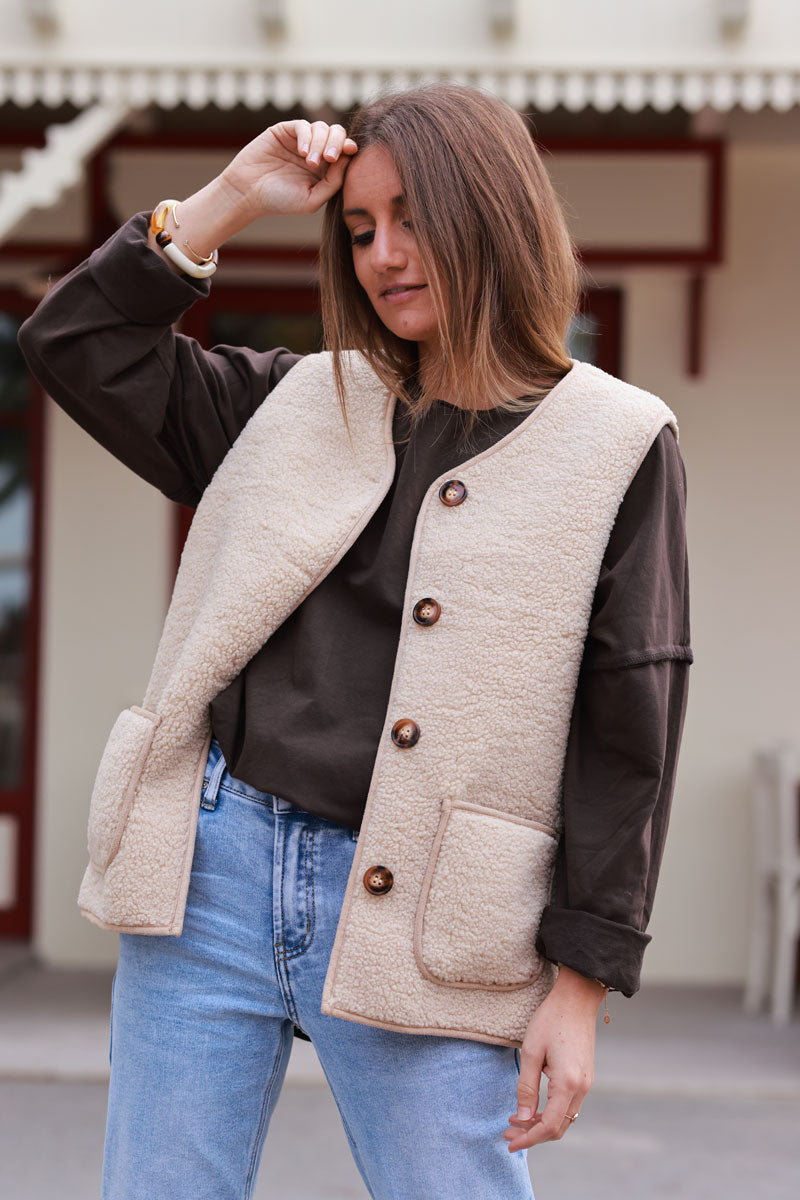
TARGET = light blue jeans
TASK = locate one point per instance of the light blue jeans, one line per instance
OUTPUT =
(201, 1031)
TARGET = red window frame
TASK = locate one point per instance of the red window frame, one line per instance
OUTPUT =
(20, 802)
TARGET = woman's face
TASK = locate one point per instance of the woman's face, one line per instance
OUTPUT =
(385, 256)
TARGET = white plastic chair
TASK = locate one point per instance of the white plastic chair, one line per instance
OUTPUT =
(776, 920)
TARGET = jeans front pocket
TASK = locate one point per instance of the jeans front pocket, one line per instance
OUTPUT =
(111, 1019)
(488, 880)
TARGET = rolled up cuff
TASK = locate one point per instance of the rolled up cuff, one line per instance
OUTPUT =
(137, 282)
(593, 946)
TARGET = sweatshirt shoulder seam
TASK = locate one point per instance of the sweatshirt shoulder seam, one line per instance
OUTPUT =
(639, 658)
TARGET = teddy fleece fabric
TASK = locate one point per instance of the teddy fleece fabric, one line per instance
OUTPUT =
(295, 721)
(448, 949)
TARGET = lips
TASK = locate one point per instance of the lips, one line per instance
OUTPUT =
(398, 290)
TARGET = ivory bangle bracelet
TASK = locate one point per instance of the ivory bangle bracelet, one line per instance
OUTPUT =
(181, 260)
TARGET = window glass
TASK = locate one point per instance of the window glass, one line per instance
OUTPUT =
(582, 337)
(15, 580)
(299, 332)
(13, 374)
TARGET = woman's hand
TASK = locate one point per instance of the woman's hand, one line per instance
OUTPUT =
(559, 1042)
(292, 167)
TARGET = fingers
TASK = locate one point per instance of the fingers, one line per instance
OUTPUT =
(319, 141)
(530, 1074)
(551, 1124)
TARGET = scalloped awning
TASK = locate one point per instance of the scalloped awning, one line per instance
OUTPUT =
(575, 89)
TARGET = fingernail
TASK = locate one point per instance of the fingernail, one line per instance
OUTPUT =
(331, 152)
(304, 148)
(524, 1114)
(313, 157)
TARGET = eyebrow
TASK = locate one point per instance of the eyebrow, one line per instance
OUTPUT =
(362, 212)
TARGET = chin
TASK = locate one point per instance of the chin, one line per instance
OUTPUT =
(412, 332)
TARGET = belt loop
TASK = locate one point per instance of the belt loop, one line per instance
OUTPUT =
(209, 800)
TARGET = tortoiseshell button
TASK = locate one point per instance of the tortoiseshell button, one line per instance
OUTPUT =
(427, 611)
(405, 733)
(452, 492)
(378, 880)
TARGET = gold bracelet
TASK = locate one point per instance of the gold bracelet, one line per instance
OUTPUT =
(206, 266)
(606, 989)
(202, 259)
(159, 214)
(158, 220)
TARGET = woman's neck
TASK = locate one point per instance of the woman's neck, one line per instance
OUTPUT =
(428, 363)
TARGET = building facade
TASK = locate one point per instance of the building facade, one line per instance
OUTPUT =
(671, 132)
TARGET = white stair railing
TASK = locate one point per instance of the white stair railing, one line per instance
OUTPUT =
(47, 172)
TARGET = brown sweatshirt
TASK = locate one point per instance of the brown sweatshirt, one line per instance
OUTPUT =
(303, 718)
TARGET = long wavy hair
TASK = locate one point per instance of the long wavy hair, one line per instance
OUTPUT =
(500, 264)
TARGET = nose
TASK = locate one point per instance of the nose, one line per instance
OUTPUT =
(387, 250)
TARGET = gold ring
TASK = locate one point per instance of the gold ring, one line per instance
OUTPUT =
(574, 1117)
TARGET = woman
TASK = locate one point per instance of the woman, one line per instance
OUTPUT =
(410, 736)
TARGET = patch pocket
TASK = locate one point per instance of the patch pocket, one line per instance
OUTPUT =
(487, 882)
(115, 784)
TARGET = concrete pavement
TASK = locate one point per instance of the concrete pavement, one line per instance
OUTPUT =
(636, 1148)
(691, 1099)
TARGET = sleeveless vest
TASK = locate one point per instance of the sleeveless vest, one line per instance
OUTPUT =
(464, 808)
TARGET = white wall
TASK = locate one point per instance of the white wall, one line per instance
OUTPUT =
(740, 430)
(106, 564)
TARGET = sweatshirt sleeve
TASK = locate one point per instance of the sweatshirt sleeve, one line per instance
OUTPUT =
(625, 733)
(102, 346)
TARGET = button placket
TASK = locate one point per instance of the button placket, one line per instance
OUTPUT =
(405, 733)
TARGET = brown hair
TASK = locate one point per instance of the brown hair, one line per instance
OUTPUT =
(493, 243)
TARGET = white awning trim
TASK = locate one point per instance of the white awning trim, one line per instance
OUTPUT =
(313, 87)
(47, 172)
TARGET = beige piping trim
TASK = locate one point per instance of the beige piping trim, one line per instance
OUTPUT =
(367, 512)
(176, 925)
(133, 783)
(154, 929)
(419, 920)
(469, 1034)
(653, 433)
(356, 869)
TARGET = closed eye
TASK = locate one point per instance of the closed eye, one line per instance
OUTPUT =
(364, 239)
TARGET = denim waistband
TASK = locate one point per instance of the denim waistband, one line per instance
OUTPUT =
(218, 775)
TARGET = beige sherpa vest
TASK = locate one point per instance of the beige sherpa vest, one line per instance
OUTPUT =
(467, 818)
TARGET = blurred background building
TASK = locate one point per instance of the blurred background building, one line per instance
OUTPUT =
(672, 133)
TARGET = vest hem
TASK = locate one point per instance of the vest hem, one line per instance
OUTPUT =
(156, 930)
(472, 1035)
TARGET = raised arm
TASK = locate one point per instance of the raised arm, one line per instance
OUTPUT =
(101, 341)
(101, 344)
